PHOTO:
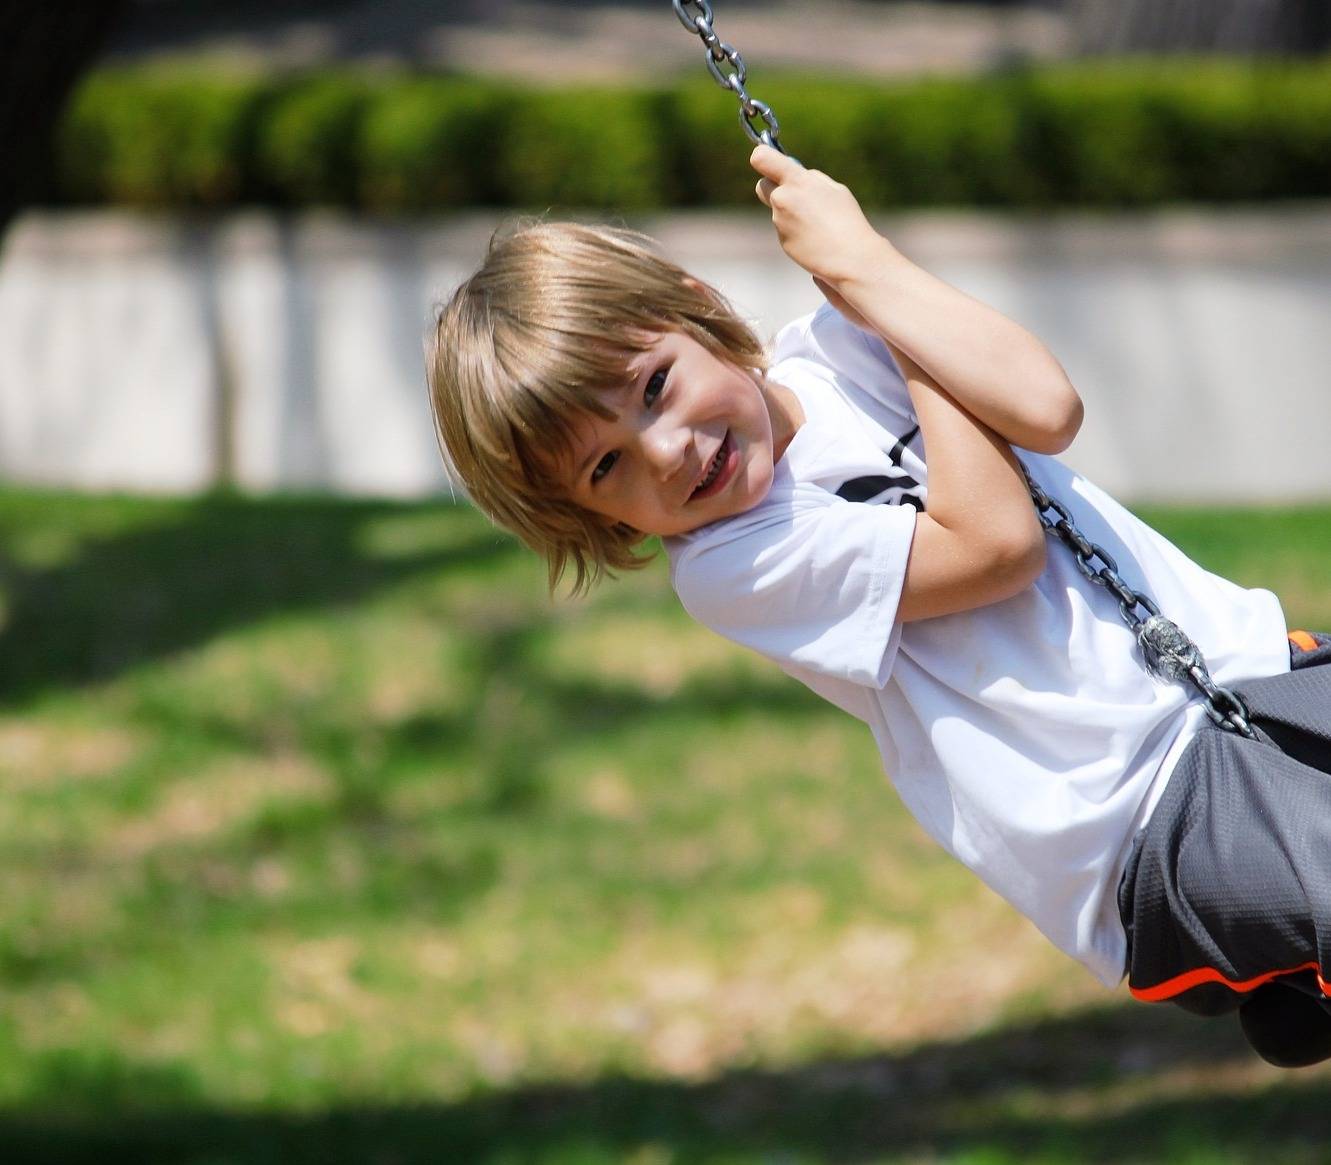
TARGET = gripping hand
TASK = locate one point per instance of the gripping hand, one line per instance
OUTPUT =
(818, 221)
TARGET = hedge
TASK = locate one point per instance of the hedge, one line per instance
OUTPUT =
(1105, 135)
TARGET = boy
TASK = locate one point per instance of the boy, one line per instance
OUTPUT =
(589, 394)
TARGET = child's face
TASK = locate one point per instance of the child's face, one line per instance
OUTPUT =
(694, 439)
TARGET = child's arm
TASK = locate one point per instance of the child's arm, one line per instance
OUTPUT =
(980, 540)
(994, 367)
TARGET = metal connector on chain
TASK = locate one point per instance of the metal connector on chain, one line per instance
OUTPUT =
(696, 16)
(1165, 647)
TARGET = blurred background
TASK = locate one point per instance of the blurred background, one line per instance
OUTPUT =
(324, 833)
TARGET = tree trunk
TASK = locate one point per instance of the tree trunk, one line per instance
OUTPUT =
(1246, 27)
(44, 49)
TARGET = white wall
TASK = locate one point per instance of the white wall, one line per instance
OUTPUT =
(162, 354)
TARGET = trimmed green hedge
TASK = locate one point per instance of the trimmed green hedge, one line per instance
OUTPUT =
(1106, 135)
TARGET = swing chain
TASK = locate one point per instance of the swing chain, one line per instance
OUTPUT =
(696, 16)
(1166, 648)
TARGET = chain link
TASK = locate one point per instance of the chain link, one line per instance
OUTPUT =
(755, 116)
(1166, 649)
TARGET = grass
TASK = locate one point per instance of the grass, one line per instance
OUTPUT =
(326, 836)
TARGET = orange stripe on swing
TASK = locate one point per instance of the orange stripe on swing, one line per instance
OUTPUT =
(1189, 979)
(1303, 641)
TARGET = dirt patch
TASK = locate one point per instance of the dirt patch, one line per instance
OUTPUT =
(197, 808)
(655, 657)
(34, 754)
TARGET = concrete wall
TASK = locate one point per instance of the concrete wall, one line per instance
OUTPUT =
(165, 354)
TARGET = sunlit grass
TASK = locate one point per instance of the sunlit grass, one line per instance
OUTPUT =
(317, 807)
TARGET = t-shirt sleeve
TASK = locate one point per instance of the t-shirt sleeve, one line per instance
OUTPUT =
(809, 580)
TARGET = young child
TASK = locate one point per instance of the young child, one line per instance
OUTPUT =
(589, 394)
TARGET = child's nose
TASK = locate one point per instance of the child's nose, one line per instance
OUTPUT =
(666, 448)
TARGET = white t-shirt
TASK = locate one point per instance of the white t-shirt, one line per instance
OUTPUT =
(1026, 736)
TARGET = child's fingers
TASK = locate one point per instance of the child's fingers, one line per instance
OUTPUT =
(773, 164)
(764, 190)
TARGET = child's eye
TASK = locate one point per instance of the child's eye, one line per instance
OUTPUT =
(654, 387)
(604, 466)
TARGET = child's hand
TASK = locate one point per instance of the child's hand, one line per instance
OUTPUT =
(818, 221)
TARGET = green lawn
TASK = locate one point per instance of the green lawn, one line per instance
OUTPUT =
(326, 836)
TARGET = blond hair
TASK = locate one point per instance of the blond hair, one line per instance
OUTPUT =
(526, 347)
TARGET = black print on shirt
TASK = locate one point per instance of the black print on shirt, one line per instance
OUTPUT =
(896, 488)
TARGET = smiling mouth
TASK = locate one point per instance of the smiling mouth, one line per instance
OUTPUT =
(714, 468)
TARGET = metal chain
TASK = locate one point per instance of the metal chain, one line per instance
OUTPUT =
(696, 16)
(1167, 650)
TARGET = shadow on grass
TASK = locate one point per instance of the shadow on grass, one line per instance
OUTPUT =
(100, 586)
(1091, 1087)
(169, 583)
